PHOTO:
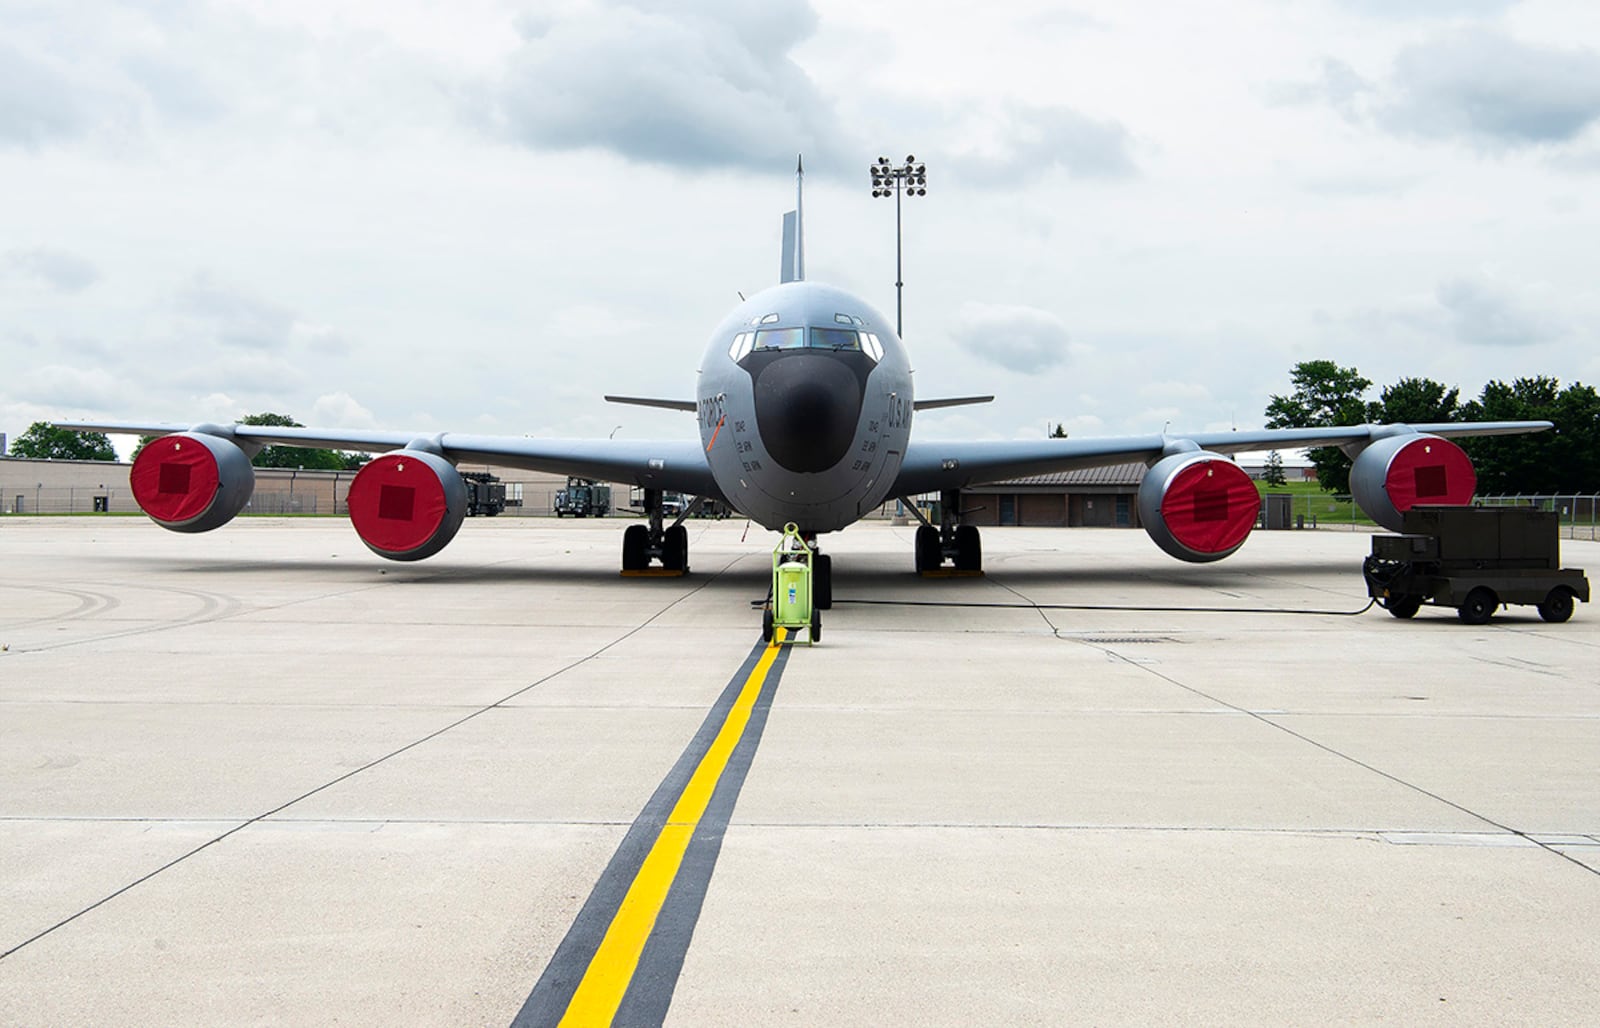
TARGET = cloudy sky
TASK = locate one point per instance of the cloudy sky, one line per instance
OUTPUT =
(482, 215)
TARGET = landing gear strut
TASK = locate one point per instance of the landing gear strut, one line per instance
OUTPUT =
(668, 544)
(951, 542)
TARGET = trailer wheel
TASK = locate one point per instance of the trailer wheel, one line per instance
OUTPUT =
(1479, 606)
(1557, 607)
(1403, 606)
(816, 626)
(766, 626)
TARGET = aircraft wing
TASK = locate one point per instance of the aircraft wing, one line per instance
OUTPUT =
(931, 466)
(676, 466)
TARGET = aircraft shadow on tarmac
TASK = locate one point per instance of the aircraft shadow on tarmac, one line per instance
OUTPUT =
(856, 575)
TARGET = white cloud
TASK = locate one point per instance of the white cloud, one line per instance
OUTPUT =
(1026, 141)
(228, 314)
(1015, 337)
(340, 410)
(1473, 84)
(1167, 389)
(703, 85)
(592, 321)
(58, 269)
(1486, 313)
(77, 388)
(1493, 91)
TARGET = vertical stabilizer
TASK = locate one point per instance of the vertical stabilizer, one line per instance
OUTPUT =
(794, 232)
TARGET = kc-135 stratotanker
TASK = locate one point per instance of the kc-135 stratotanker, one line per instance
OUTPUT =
(805, 406)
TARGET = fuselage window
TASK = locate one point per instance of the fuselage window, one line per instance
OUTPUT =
(769, 319)
(872, 346)
(834, 339)
(843, 319)
(780, 339)
(741, 345)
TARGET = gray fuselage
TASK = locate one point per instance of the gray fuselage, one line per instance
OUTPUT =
(804, 404)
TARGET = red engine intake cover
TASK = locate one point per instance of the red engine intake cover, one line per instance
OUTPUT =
(1430, 470)
(1211, 506)
(401, 504)
(1399, 472)
(174, 479)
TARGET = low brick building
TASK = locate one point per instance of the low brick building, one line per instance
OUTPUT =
(1094, 497)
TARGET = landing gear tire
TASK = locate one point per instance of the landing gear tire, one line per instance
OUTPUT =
(822, 582)
(1403, 606)
(927, 549)
(675, 549)
(816, 625)
(1479, 606)
(969, 548)
(766, 626)
(635, 548)
(1557, 607)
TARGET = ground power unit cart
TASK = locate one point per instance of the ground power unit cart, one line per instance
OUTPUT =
(1474, 559)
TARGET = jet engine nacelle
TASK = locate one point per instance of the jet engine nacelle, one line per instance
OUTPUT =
(191, 482)
(1393, 475)
(1198, 506)
(408, 504)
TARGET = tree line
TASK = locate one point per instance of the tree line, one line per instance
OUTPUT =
(1564, 460)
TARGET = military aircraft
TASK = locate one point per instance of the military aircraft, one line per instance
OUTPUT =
(805, 404)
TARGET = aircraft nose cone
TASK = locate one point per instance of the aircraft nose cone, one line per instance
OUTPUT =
(807, 408)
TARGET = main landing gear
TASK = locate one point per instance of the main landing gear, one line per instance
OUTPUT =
(951, 542)
(669, 544)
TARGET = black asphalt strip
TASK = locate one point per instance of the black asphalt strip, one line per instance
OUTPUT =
(650, 991)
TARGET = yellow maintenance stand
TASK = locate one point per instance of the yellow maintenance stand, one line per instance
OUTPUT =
(790, 605)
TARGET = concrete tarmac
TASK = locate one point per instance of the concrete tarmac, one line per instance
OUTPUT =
(262, 776)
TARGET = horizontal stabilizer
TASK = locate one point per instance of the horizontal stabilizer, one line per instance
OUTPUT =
(950, 401)
(648, 401)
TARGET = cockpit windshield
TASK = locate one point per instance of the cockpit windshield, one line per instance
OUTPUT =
(803, 338)
(780, 339)
(835, 339)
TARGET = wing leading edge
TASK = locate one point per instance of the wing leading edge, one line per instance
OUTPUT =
(676, 466)
(935, 466)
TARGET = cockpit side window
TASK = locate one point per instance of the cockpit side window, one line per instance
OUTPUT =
(834, 339)
(780, 339)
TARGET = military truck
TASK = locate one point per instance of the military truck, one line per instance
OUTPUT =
(583, 497)
(1474, 559)
(486, 494)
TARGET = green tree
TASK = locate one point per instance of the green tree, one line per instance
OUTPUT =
(292, 456)
(1324, 395)
(1418, 401)
(1059, 432)
(1566, 460)
(43, 441)
(1272, 474)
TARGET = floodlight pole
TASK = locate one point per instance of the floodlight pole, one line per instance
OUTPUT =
(899, 276)
(911, 178)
